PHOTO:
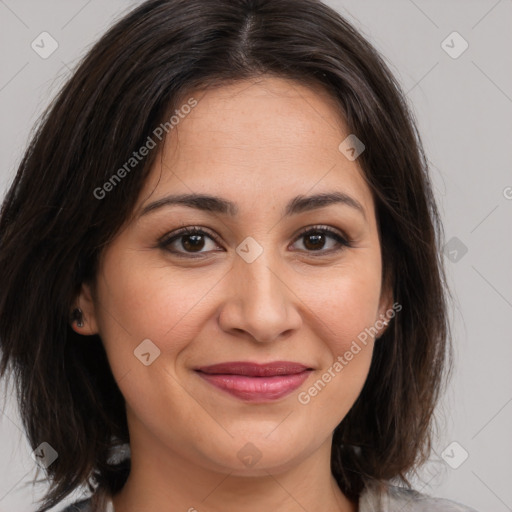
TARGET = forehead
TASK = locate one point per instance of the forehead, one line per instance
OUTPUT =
(270, 137)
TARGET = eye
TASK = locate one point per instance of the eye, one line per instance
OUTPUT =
(315, 239)
(192, 240)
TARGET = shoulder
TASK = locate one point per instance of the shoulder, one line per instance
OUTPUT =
(393, 498)
(79, 506)
(99, 501)
(415, 501)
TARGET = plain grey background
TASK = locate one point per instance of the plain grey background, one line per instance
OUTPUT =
(463, 103)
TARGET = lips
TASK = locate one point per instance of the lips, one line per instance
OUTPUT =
(256, 382)
(254, 369)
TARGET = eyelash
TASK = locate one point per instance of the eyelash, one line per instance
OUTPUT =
(168, 239)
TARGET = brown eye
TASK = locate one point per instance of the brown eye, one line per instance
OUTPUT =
(188, 241)
(316, 238)
(314, 241)
(192, 242)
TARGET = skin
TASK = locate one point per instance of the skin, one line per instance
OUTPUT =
(258, 144)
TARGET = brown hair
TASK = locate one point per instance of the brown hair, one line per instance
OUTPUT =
(53, 228)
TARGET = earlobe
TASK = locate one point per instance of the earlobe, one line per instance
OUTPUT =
(386, 311)
(83, 314)
(383, 324)
(77, 317)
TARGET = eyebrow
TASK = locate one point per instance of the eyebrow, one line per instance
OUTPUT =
(223, 206)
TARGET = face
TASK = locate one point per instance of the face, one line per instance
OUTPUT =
(274, 276)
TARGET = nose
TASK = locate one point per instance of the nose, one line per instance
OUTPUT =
(259, 303)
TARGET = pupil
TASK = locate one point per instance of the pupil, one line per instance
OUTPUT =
(318, 238)
(196, 244)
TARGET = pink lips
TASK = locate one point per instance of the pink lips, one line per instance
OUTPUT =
(255, 382)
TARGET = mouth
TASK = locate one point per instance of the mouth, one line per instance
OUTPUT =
(255, 382)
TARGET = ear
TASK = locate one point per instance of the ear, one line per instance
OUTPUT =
(87, 304)
(385, 307)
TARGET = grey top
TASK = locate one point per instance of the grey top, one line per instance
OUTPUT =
(392, 499)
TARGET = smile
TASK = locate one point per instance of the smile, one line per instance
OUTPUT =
(254, 382)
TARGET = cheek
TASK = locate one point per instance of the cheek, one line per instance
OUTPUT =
(347, 303)
(346, 314)
(141, 299)
(346, 309)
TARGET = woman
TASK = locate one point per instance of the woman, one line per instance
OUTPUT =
(221, 251)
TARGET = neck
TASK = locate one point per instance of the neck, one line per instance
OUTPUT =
(163, 480)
